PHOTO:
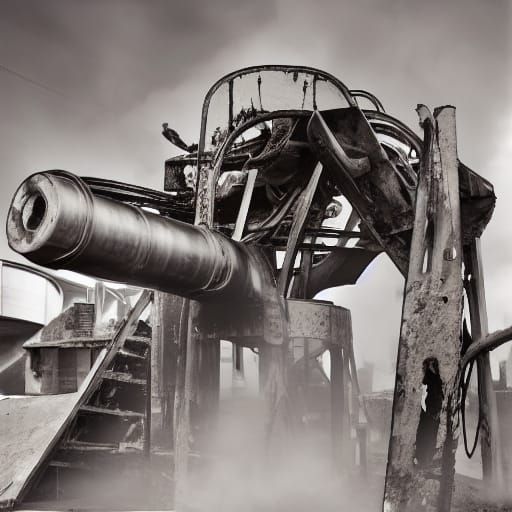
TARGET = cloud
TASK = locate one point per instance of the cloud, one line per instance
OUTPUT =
(124, 67)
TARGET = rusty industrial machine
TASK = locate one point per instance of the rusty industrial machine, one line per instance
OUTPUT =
(297, 183)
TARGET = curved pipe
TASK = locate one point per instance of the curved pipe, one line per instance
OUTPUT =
(360, 93)
(55, 221)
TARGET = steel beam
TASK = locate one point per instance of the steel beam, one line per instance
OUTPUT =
(492, 464)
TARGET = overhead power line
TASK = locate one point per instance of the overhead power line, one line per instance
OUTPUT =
(31, 81)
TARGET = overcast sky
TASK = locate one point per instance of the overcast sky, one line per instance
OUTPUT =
(116, 69)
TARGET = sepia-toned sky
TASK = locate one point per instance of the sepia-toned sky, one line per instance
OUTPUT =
(85, 86)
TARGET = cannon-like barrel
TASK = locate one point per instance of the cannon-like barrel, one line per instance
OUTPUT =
(55, 221)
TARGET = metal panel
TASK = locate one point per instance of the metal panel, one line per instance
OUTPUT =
(319, 321)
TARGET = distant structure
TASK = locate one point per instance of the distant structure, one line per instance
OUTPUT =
(29, 298)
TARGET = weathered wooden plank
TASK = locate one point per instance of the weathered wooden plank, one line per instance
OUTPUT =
(164, 353)
(421, 457)
(111, 412)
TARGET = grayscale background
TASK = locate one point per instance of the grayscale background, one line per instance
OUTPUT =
(85, 86)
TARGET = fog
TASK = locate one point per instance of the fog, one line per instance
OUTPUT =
(85, 86)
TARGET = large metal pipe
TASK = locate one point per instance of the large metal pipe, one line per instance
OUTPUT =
(55, 221)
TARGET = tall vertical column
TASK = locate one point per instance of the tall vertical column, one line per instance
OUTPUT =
(492, 463)
(197, 393)
(339, 404)
(164, 353)
(186, 397)
(421, 458)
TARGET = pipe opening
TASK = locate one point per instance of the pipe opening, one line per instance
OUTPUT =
(34, 212)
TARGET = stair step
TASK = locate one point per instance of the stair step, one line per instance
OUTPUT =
(139, 339)
(112, 412)
(129, 353)
(90, 447)
(69, 465)
(123, 377)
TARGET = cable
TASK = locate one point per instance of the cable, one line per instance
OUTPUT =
(464, 389)
(32, 81)
(101, 109)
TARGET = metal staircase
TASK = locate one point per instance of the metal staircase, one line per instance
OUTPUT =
(106, 438)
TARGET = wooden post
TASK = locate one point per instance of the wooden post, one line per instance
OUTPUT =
(349, 453)
(197, 393)
(338, 406)
(208, 390)
(185, 395)
(164, 353)
(277, 415)
(492, 463)
(421, 458)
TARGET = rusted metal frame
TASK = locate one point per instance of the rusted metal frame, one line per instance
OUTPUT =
(490, 445)
(244, 206)
(351, 223)
(333, 233)
(421, 456)
(360, 93)
(343, 234)
(375, 117)
(333, 154)
(277, 215)
(301, 278)
(230, 106)
(297, 229)
(252, 69)
(91, 383)
(299, 290)
(332, 259)
(188, 356)
(209, 175)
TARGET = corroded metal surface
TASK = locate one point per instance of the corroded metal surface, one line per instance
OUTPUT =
(319, 321)
(54, 220)
(421, 455)
(306, 319)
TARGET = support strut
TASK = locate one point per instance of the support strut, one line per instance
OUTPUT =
(421, 459)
